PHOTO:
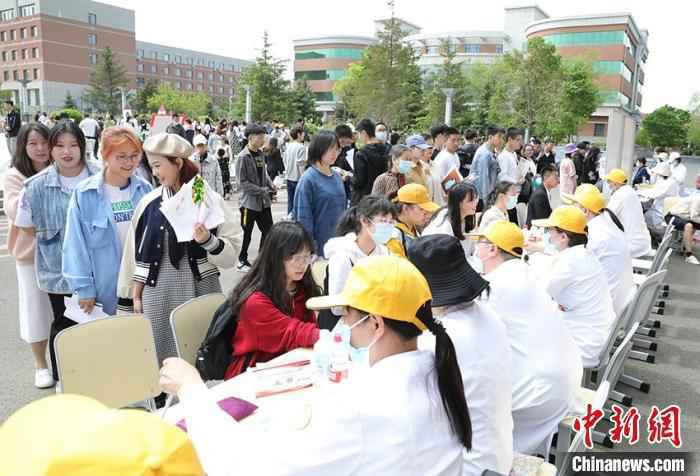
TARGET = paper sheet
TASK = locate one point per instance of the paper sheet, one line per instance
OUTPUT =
(181, 212)
(74, 313)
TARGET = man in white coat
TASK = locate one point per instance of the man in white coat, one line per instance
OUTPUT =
(625, 203)
(547, 367)
(664, 187)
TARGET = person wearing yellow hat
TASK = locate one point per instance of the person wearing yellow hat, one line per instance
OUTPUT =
(664, 187)
(546, 366)
(606, 239)
(482, 348)
(405, 413)
(577, 283)
(625, 204)
(78, 436)
(413, 210)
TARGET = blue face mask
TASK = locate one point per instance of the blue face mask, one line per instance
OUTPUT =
(405, 166)
(512, 202)
(449, 184)
(549, 248)
(382, 233)
(358, 355)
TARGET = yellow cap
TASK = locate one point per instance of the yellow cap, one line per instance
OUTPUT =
(567, 218)
(617, 176)
(78, 436)
(588, 196)
(416, 194)
(504, 234)
(384, 286)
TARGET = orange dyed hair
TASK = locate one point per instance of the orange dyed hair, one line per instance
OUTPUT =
(114, 137)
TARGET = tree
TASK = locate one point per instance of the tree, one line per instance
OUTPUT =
(667, 126)
(149, 89)
(300, 103)
(268, 86)
(694, 135)
(106, 79)
(386, 84)
(68, 102)
(192, 104)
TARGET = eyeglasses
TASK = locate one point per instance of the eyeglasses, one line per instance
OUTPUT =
(302, 260)
(127, 158)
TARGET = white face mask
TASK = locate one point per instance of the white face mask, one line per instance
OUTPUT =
(381, 136)
(476, 263)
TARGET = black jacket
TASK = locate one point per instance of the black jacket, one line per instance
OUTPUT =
(176, 129)
(545, 160)
(579, 162)
(370, 162)
(12, 123)
(538, 207)
(466, 155)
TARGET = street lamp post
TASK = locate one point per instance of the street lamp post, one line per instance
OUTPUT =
(248, 104)
(449, 94)
(23, 99)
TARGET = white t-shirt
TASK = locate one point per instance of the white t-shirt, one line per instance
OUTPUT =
(24, 211)
(441, 225)
(445, 163)
(508, 163)
(89, 127)
(122, 208)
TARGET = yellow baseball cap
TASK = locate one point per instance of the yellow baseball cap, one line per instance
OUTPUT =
(588, 196)
(417, 194)
(385, 286)
(567, 218)
(504, 234)
(617, 176)
(78, 436)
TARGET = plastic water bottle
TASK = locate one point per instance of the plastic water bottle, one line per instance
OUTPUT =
(340, 360)
(322, 353)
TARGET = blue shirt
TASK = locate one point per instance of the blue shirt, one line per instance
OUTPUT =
(485, 168)
(92, 249)
(319, 202)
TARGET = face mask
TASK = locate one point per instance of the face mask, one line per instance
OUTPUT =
(405, 166)
(358, 355)
(512, 202)
(537, 182)
(476, 263)
(449, 184)
(381, 136)
(549, 248)
(382, 233)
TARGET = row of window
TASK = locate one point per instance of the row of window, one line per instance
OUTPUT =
(140, 82)
(178, 59)
(589, 38)
(614, 98)
(324, 96)
(23, 54)
(24, 11)
(165, 70)
(11, 35)
(16, 75)
(319, 53)
(326, 74)
(612, 67)
(468, 48)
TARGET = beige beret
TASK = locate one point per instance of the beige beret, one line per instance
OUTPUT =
(168, 145)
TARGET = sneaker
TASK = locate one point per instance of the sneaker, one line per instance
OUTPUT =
(43, 378)
(243, 266)
(692, 260)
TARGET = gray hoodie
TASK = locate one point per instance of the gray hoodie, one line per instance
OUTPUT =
(255, 194)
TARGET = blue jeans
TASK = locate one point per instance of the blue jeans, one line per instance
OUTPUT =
(291, 187)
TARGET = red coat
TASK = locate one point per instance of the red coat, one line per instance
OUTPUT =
(267, 332)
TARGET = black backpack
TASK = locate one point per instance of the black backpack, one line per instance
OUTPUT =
(216, 351)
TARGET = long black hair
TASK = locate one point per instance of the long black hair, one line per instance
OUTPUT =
(320, 143)
(267, 275)
(66, 126)
(21, 160)
(455, 197)
(501, 187)
(449, 375)
(369, 207)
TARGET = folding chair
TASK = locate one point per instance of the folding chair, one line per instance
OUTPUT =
(112, 360)
(650, 267)
(190, 321)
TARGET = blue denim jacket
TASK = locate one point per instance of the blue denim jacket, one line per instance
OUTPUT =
(485, 168)
(92, 249)
(49, 206)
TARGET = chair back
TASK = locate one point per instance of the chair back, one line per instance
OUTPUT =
(646, 297)
(112, 360)
(618, 326)
(617, 361)
(661, 252)
(190, 321)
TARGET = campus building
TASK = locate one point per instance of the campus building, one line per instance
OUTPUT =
(48, 48)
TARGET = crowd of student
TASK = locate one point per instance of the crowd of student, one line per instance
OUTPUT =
(468, 357)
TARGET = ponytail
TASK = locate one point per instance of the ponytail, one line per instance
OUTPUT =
(369, 207)
(614, 219)
(349, 222)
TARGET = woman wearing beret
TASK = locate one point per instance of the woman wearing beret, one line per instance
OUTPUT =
(157, 272)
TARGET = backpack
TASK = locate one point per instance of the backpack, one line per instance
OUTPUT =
(216, 350)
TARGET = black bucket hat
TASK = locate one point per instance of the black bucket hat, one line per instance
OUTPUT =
(441, 260)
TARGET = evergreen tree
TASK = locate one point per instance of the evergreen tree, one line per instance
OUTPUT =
(149, 89)
(68, 102)
(106, 79)
(300, 103)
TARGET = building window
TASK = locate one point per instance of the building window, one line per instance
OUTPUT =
(200, 86)
(7, 15)
(200, 75)
(178, 59)
(35, 52)
(24, 53)
(154, 69)
(211, 88)
(221, 78)
(166, 57)
(328, 74)
(35, 32)
(14, 55)
(230, 91)
(36, 73)
(165, 70)
(139, 54)
(15, 75)
(499, 49)
(92, 39)
(188, 86)
(25, 74)
(3, 36)
(6, 75)
(210, 76)
(26, 10)
(324, 96)
(139, 67)
(140, 82)
(155, 55)
(92, 19)
(23, 33)
(472, 48)
(188, 73)
(93, 58)
(178, 72)
(12, 35)
(599, 130)
(178, 84)
(4, 56)
(221, 90)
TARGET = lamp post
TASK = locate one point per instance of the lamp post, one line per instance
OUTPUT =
(248, 103)
(23, 99)
(449, 94)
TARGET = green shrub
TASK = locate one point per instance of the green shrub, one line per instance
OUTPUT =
(74, 114)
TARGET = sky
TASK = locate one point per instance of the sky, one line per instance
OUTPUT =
(235, 28)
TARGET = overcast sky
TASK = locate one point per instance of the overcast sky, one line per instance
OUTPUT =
(235, 27)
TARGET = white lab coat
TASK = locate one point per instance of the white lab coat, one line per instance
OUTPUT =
(662, 189)
(608, 243)
(547, 367)
(678, 173)
(578, 284)
(625, 203)
(441, 225)
(483, 352)
(389, 421)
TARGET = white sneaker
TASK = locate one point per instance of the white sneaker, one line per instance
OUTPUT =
(43, 378)
(243, 267)
(692, 260)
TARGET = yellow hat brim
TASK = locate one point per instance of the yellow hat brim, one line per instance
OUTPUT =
(429, 207)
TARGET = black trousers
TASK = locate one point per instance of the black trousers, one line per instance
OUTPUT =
(60, 322)
(248, 219)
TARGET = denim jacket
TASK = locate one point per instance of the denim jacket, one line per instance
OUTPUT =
(49, 207)
(92, 249)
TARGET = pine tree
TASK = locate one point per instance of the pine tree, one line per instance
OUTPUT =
(300, 104)
(68, 102)
(105, 82)
(149, 89)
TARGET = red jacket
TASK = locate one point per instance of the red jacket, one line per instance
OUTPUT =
(267, 332)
